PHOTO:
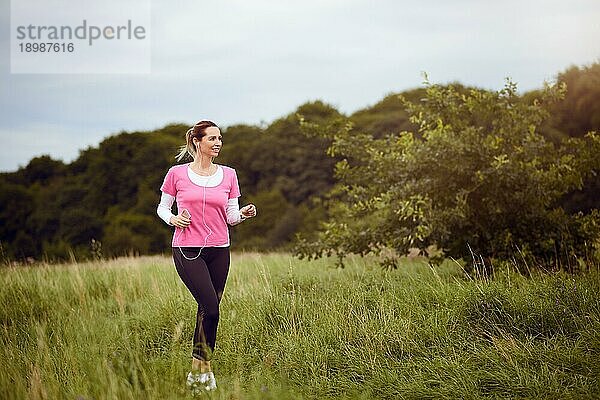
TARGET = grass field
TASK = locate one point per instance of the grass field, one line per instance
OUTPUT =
(293, 329)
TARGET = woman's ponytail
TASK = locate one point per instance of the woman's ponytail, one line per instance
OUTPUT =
(188, 148)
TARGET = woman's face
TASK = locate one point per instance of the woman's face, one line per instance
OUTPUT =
(211, 142)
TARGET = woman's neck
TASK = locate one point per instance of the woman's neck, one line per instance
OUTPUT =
(203, 164)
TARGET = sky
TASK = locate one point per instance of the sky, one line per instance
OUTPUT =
(254, 61)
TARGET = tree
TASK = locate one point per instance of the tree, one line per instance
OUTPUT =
(387, 116)
(574, 116)
(477, 180)
(40, 170)
(579, 111)
(259, 233)
(127, 232)
(16, 206)
(286, 160)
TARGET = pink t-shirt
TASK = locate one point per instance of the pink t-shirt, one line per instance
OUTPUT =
(211, 230)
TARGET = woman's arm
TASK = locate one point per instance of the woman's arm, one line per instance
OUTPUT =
(234, 216)
(164, 208)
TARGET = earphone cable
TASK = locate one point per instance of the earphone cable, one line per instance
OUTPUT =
(210, 232)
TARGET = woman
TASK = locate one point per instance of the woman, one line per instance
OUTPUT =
(207, 200)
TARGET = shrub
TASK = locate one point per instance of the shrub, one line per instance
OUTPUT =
(477, 180)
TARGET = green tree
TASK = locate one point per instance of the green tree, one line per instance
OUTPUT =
(388, 116)
(579, 111)
(478, 181)
(574, 116)
(127, 232)
(260, 232)
(17, 204)
(40, 170)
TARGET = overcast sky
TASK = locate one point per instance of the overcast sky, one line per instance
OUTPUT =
(254, 61)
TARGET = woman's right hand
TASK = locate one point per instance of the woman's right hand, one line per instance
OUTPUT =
(181, 221)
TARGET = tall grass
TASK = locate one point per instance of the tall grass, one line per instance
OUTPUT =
(294, 329)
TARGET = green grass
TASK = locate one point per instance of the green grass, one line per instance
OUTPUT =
(294, 329)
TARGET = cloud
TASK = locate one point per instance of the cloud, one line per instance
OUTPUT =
(238, 61)
(36, 139)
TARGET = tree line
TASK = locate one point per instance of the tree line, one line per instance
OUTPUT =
(103, 203)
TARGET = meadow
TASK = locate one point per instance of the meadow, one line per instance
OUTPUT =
(294, 329)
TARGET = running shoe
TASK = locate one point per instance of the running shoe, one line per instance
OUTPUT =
(200, 382)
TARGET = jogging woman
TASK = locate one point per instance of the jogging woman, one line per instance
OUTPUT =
(207, 200)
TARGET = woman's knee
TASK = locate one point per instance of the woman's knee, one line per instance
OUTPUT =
(209, 311)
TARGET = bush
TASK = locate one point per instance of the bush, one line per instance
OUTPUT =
(477, 180)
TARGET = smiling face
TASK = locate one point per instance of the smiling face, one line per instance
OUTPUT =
(211, 142)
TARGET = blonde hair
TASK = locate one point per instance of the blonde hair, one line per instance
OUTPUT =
(197, 131)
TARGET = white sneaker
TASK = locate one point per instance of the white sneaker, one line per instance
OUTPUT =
(199, 382)
(212, 382)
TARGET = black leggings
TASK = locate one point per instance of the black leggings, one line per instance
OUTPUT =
(205, 279)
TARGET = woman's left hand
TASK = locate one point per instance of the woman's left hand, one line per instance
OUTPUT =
(248, 211)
